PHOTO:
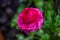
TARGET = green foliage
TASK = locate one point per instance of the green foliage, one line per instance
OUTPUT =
(51, 26)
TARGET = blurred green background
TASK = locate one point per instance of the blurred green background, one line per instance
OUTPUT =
(51, 26)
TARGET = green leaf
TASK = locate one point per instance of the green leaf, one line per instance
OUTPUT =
(14, 21)
(20, 8)
(45, 37)
(59, 34)
(20, 36)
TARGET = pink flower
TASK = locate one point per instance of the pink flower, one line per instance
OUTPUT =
(30, 20)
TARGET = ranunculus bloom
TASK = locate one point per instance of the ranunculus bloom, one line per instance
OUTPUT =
(30, 20)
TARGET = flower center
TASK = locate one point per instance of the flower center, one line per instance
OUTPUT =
(29, 18)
